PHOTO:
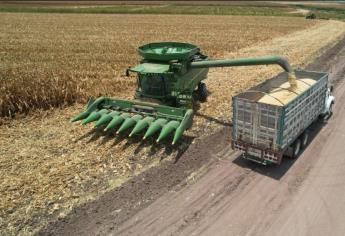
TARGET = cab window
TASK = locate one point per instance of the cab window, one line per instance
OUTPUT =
(152, 84)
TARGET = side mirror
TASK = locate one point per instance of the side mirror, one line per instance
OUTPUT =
(127, 71)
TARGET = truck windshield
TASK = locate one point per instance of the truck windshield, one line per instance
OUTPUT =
(152, 84)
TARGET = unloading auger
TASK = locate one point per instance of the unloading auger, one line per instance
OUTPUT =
(169, 82)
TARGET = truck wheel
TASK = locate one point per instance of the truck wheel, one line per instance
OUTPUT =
(296, 148)
(202, 92)
(305, 138)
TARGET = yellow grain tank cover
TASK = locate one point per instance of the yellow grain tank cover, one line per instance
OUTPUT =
(277, 91)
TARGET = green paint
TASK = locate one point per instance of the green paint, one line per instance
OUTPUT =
(185, 124)
(129, 122)
(95, 115)
(81, 116)
(106, 118)
(141, 125)
(154, 127)
(167, 129)
(168, 74)
(117, 120)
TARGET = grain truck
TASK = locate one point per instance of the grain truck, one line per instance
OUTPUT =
(271, 120)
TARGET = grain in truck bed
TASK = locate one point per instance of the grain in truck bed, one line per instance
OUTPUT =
(277, 91)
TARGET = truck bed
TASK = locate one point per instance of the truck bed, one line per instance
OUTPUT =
(277, 91)
(270, 116)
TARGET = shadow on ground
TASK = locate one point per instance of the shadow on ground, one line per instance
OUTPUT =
(150, 143)
(212, 119)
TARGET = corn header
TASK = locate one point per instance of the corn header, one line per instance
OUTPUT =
(169, 83)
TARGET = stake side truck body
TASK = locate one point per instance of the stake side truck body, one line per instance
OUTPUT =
(271, 119)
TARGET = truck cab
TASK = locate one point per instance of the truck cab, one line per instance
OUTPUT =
(329, 101)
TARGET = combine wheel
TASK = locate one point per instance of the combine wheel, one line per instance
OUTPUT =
(296, 149)
(191, 104)
(202, 92)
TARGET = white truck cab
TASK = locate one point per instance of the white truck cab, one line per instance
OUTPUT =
(329, 101)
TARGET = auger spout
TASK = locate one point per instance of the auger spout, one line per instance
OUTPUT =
(269, 60)
(254, 61)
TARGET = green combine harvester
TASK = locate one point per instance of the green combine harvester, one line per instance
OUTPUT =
(169, 82)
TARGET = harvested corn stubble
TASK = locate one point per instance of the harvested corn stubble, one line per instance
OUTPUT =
(47, 165)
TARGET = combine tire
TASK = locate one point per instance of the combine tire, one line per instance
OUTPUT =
(296, 149)
(202, 92)
(191, 104)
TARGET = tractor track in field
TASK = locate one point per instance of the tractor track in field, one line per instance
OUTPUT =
(210, 190)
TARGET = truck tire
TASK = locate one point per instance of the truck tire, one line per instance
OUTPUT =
(296, 149)
(202, 92)
(305, 139)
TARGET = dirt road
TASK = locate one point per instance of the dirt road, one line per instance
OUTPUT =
(226, 195)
